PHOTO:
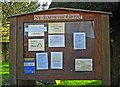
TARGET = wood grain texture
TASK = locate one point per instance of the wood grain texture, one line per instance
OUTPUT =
(13, 50)
(106, 75)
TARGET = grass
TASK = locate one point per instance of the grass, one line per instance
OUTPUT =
(80, 82)
(4, 71)
(5, 76)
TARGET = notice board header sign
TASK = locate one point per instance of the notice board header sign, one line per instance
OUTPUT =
(57, 17)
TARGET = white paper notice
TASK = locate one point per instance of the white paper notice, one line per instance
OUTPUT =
(56, 41)
(33, 26)
(36, 28)
(56, 60)
(35, 33)
(83, 65)
(41, 61)
(56, 27)
(36, 45)
(79, 40)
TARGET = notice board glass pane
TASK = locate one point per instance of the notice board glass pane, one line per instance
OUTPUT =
(38, 36)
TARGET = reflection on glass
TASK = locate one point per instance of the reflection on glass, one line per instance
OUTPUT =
(85, 26)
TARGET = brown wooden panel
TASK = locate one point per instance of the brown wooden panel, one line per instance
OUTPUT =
(98, 49)
(20, 47)
(106, 75)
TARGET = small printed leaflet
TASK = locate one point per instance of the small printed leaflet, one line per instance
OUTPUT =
(79, 40)
(56, 28)
(36, 45)
(42, 61)
(29, 65)
(56, 60)
(83, 64)
(56, 41)
(35, 33)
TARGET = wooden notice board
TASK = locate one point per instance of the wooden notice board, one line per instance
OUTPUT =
(60, 44)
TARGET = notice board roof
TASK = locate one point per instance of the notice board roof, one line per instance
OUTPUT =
(67, 9)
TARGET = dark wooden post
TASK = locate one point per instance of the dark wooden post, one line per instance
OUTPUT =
(12, 51)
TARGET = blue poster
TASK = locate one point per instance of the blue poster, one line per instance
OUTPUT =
(79, 40)
(56, 60)
(29, 65)
(42, 61)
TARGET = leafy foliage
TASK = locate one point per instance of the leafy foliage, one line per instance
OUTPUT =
(99, 6)
(5, 34)
(9, 9)
(16, 8)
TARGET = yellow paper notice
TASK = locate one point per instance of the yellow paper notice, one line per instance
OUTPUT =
(56, 28)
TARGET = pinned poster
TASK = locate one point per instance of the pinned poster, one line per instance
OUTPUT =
(29, 65)
(79, 40)
(36, 45)
(56, 41)
(37, 28)
(42, 61)
(35, 33)
(83, 65)
(56, 60)
(56, 28)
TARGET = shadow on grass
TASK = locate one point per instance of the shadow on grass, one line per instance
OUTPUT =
(5, 78)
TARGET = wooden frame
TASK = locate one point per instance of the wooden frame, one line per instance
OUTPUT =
(101, 41)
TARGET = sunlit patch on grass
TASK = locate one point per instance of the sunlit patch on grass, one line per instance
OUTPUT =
(80, 82)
